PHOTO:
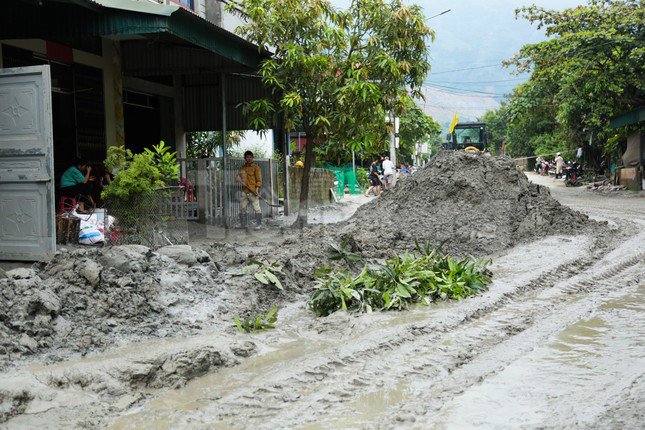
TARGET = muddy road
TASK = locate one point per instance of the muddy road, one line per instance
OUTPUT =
(558, 341)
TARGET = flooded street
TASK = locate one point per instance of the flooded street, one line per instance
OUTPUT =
(558, 341)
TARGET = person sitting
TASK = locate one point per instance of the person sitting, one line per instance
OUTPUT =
(75, 183)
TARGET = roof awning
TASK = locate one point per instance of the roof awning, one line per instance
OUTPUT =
(125, 19)
(635, 116)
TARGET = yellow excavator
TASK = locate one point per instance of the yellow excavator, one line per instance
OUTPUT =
(467, 136)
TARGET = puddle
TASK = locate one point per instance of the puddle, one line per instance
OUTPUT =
(167, 410)
(200, 403)
(568, 382)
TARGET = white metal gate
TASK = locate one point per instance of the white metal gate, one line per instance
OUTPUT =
(206, 189)
(27, 222)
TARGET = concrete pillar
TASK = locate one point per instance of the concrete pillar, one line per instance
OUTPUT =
(112, 94)
(117, 109)
(180, 134)
(213, 11)
(225, 167)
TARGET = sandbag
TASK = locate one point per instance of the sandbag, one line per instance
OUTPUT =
(90, 236)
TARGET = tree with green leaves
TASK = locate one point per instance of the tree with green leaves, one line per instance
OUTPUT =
(589, 69)
(334, 73)
(416, 128)
(204, 144)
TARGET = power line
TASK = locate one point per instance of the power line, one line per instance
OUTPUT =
(484, 93)
(468, 68)
(457, 107)
(479, 82)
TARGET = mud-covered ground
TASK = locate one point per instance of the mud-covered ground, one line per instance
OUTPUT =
(556, 342)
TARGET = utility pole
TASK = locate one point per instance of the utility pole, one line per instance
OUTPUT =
(394, 141)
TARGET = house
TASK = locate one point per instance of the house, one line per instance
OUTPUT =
(78, 76)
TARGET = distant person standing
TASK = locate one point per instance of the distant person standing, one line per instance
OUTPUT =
(375, 182)
(388, 172)
(250, 176)
(559, 162)
(579, 153)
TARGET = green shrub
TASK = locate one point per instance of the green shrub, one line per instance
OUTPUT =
(132, 192)
(362, 176)
(165, 161)
(118, 157)
(404, 279)
(266, 273)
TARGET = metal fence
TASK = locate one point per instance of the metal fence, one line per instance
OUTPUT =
(211, 194)
(154, 220)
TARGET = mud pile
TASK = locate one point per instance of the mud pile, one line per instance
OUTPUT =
(477, 205)
(87, 299)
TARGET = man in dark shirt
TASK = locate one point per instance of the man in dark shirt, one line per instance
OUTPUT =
(375, 182)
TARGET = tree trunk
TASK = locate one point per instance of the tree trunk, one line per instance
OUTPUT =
(301, 220)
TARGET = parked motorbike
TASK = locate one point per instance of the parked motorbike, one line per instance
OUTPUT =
(572, 174)
(548, 169)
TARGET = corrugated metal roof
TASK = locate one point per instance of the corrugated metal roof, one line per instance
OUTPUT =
(131, 17)
(632, 117)
(203, 102)
(138, 6)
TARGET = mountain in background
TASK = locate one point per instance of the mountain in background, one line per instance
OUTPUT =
(442, 105)
(471, 42)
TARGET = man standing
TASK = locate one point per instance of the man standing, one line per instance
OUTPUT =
(375, 182)
(250, 176)
(388, 172)
(559, 161)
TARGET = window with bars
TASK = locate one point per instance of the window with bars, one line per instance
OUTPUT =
(188, 4)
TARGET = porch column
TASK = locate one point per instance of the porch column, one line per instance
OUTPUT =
(180, 134)
(112, 94)
(225, 179)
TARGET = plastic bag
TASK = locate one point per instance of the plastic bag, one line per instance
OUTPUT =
(90, 236)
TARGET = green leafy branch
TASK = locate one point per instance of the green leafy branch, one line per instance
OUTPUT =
(266, 273)
(404, 279)
(342, 252)
(256, 323)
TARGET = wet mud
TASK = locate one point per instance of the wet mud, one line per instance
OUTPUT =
(556, 342)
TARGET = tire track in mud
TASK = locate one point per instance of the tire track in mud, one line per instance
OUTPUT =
(341, 375)
(532, 330)
(436, 360)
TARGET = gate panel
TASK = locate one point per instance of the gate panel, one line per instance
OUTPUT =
(27, 223)
(206, 177)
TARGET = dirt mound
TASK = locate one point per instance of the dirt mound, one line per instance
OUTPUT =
(87, 299)
(476, 204)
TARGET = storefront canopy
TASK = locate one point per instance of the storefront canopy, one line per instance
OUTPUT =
(158, 43)
(124, 19)
(632, 117)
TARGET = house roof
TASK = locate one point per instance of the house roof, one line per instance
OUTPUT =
(129, 19)
(634, 116)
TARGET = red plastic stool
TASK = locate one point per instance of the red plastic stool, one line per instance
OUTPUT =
(66, 204)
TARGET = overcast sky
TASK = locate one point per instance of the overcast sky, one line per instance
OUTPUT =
(478, 35)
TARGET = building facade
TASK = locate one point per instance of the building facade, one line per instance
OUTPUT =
(121, 72)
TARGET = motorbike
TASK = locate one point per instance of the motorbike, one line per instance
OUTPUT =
(572, 174)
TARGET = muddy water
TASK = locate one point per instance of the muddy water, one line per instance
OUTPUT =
(539, 360)
(558, 342)
(567, 382)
